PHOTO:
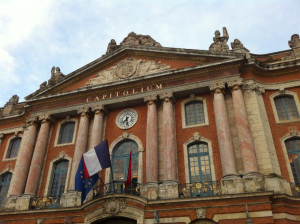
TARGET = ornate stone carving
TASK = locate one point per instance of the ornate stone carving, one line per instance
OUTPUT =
(45, 117)
(98, 108)
(83, 111)
(295, 41)
(167, 96)
(237, 45)
(201, 213)
(235, 83)
(220, 43)
(10, 108)
(150, 99)
(196, 137)
(217, 86)
(13, 100)
(133, 39)
(56, 75)
(127, 68)
(31, 120)
(253, 86)
(112, 46)
(113, 206)
(126, 135)
(293, 132)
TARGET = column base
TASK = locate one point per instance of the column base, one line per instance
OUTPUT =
(232, 184)
(277, 184)
(150, 191)
(10, 203)
(254, 182)
(23, 202)
(168, 190)
(70, 199)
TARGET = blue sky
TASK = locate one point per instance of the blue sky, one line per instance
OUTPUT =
(36, 35)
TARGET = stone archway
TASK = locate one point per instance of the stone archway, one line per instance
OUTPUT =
(116, 220)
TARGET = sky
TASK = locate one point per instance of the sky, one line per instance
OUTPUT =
(36, 35)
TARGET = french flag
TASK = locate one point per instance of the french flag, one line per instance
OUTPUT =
(96, 159)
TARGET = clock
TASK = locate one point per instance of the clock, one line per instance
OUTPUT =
(126, 118)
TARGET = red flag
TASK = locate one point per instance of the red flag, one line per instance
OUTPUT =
(128, 181)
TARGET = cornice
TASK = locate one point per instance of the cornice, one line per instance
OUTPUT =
(167, 76)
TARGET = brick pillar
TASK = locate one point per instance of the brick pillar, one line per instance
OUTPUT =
(19, 177)
(98, 126)
(151, 141)
(81, 144)
(243, 129)
(38, 156)
(223, 131)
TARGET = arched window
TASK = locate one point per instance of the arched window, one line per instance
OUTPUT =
(4, 185)
(120, 160)
(199, 162)
(286, 107)
(194, 113)
(58, 178)
(66, 132)
(13, 148)
(293, 150)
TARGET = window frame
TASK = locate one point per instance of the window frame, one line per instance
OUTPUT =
(183, 112)
(198, 139)
(5, 173)
(60, 124)
(8, 146)
(283, 93)
(62, 156)
(127, 136)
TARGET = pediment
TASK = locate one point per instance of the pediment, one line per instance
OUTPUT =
(126, 64)
(126, 69)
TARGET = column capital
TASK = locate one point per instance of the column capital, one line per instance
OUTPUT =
(253, 86)
(167, 97)
(217, 87)
(83, 111)
(150, 99)
(235, 84)
(1, 136)
(31, 121)
(99, 108)
(46, 118)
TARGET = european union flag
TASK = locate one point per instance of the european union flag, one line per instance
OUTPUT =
(84, 185)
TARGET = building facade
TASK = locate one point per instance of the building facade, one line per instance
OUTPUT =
(214, 136)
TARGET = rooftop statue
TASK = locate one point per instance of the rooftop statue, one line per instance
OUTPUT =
(13, 100)
(295, 41)
(56, 75)
(220, 42)
(133, 39)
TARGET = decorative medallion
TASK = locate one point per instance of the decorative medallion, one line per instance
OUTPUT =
(113, 206)
(126, 68)
(127, 118)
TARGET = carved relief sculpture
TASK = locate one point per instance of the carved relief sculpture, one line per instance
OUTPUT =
(56, 75)
(237, 45)
(114, 205)
(133, 39)
(295, 41)
(127, 68)
(220, 43)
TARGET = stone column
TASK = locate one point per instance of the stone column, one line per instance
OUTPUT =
(19, 177)
(98, 125)
(38, 156)
(81, 144)
(169, 188)
(151, 141)
(223, 131)
(243, 129)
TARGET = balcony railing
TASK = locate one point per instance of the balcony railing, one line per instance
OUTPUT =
(116, 187)
(200, 189)
(44, 202)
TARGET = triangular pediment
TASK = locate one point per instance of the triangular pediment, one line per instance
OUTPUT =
(129, 63)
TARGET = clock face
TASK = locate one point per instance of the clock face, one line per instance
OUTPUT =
(127, 118)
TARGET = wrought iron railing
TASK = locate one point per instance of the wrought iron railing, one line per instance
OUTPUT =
(44, 202)
(200, 189)
(116, 187)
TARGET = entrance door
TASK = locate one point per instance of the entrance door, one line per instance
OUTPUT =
(116, 221)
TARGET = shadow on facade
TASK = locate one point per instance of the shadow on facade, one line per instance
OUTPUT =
(116, 220)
